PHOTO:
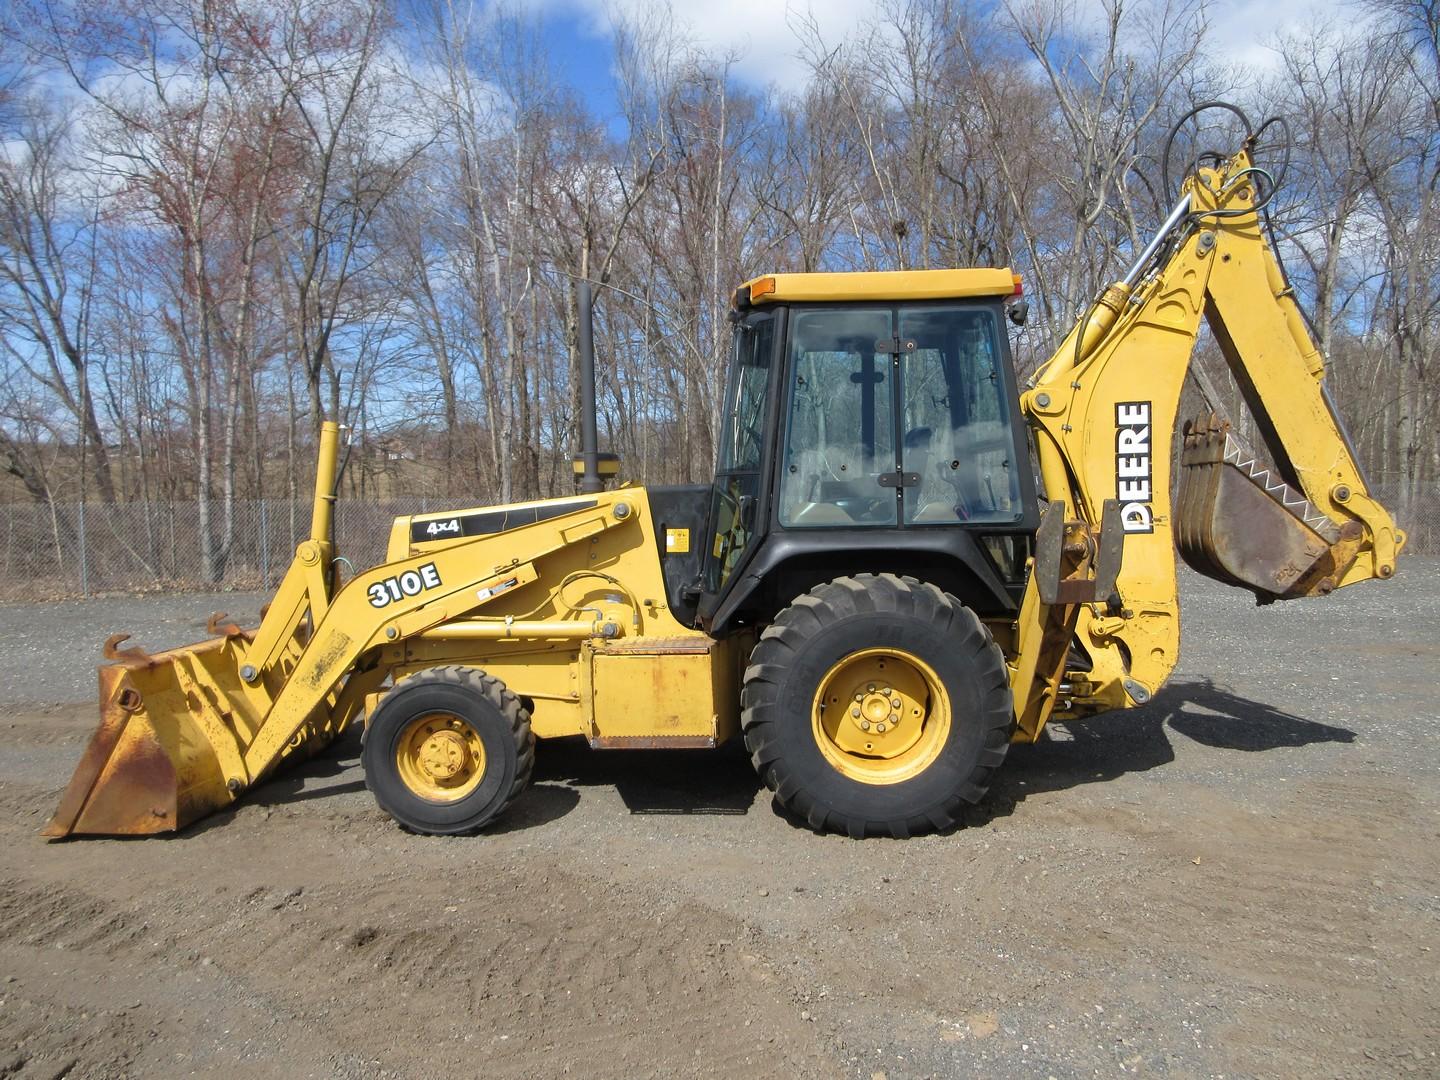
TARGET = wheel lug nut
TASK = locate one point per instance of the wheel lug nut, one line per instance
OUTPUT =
(894, 719)
(880, 728)
(871, 688)
(855, 712)
(895, 703)
(864, 725)
(886, 691)
(859, 697)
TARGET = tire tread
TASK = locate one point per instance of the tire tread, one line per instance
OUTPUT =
(834, 601)
(484, 685)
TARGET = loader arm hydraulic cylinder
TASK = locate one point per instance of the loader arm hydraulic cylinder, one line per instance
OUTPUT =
(322, 515)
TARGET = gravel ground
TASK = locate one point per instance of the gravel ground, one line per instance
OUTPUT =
(1238, 880)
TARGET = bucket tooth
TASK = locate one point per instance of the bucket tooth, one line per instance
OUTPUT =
(1238, 523)
(111, 650)
(220, 625)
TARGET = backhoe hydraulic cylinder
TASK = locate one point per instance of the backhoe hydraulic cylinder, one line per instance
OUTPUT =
(1092, 331)
(1176, 216)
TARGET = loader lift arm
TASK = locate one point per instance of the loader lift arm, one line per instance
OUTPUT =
(185, 732)
(1103, 413)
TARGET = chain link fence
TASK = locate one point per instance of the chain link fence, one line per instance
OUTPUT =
(1420, 518)
(73, 549)
(70, 549)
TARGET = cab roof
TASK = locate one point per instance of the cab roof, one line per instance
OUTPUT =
(879, 285)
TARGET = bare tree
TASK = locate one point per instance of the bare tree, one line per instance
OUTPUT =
(47, 279)
(1109, 86)
(247, 219)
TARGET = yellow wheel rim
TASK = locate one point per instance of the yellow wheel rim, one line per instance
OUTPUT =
(881, 716)
(440, 757)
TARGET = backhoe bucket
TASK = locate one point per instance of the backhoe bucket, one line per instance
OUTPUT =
(1237, 523)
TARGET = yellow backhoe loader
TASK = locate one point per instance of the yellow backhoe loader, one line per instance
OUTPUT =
(869, 591)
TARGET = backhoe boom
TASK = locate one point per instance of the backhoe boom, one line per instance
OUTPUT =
(1104, 409)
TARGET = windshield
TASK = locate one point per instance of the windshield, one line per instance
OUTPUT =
(841, 435)
(955, 417)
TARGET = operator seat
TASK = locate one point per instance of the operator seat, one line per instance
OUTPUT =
(939, 501)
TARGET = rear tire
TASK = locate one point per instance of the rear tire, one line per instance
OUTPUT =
(447, 751)
(817, 675)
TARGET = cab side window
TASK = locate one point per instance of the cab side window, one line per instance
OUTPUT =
(740, 454)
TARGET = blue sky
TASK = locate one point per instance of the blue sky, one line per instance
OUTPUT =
(582, 55)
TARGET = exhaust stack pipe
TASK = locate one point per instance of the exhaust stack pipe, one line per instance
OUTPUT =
(590, 481)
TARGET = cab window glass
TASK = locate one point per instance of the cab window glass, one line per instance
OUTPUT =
(745, 417)
(840, 431)
(955, 418)
(742, 435)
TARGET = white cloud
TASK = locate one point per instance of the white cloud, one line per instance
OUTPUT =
(1244, 33)
(761, 33)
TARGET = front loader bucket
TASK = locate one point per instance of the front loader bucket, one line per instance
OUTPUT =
(147, 768)
(1237, 523)
(168, 750)
(184, 732)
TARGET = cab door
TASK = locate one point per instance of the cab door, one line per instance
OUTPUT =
(838, 465)
(742, 457)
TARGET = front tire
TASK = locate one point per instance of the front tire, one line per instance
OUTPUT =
(877, 705)
(447, 751)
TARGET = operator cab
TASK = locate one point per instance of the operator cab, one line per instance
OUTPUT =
(868, 410)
